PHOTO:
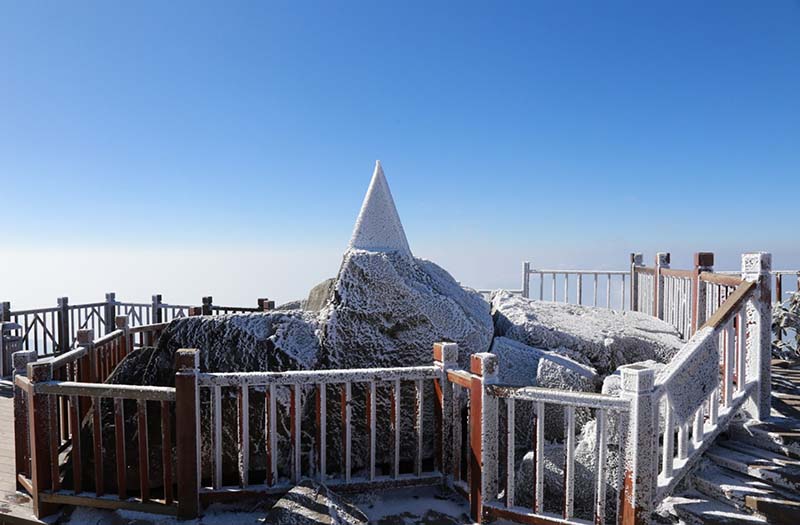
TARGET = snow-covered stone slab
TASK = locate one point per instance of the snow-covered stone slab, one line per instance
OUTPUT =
(517, 363)
(603, 338)
(311, 503)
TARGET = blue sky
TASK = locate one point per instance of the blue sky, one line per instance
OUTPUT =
(568, 133)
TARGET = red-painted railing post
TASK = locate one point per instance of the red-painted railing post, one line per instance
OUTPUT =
(207, 305)
(445, 357)
(63, 332)
(110, 311)
(158, 312)
(187, 432)
(641, 454)
(703, 262)
(662, 261)
(121, 322)
(21, 431)
(483, 457)
(757, 267)
(636, 261)
(39, 417)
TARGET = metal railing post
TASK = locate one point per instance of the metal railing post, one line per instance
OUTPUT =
(110, 312)
(526, 279)
(637, 260)
(756, 267)
(64, 333)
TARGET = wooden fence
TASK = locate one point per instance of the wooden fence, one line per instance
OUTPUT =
(664, 421)
(54, 330)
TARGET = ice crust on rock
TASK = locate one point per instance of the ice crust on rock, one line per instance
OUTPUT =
(310, 503)
(605, 338)
(378, 227)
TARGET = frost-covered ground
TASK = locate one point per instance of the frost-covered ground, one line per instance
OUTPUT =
(409, 506)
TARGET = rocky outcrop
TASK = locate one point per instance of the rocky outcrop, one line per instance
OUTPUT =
(311, 503)
(319, 296)
(603, 338)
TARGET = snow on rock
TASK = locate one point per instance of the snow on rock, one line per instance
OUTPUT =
(319, 295)
(517, 363)
(311, 503)
(612, 385)
(562, 373)
(378, 227)
(605, 338)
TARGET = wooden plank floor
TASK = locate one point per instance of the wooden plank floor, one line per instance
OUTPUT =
(15, 507)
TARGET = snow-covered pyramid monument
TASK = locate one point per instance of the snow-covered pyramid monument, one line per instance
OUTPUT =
(386, 307)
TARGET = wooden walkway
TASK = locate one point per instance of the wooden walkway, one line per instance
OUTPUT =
(15, 507)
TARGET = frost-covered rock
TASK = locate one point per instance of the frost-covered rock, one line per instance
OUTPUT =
(311, 503)
(272, 341)
(605, 338)
(562, 373)
(612, 385)
(517, 363)
(319, 295)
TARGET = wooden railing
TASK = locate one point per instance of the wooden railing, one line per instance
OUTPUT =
(54, 330)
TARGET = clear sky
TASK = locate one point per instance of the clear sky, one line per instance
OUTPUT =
(225, 148)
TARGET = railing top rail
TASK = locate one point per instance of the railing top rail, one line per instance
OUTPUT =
(646, 269)
(147, 327)
(171, 305)
(672, 272)
(31, 311)
(576, 272)
(108, 337)
(126, 303)
(723, 279)
(65, 358)
(87, 305)
(560, 397)
(355, 375)
(239, 308)
(731, 304)
(72, 388)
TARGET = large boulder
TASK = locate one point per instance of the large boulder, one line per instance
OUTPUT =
(562, 373)
(388, 309)
(311, 503)
(605, 338)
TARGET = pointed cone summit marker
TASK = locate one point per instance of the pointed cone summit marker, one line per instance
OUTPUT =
(378, 227)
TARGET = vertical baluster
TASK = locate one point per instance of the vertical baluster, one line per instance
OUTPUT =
(418, 424)
(166, 452)
(713, 407)
(119, 435)
(541, 287)
(580, 289)
(728, 363)
(698, 432)
(741, 374)
(322, 430)
(554, 287)
(75, 437)
(55, 475)
(372, 402)
(396, 427)
(608, 290)
(668, 452)
(566, 288)
(347, 414)
(683, 441)
(272, 476)
(594, 291)
(510, 463)
(569, 462)
(600, 477)
(97, 436)
(216, 428)
(538, 495)
(244, 434)
(457, 436)
(622, 293)
(144, 460)
(295, 429)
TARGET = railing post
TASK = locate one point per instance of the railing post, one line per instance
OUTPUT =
(756, 267)
(187, 437)
(207, 305)
(703, 262)
(526, 279)
(778, 288)
(194, 311)
(21, 431)
(265, 305)
(39, 416)
(637, 260)
(5, 312)
(110, 312)
(445, 357)
(662, 261)
(641, 457)
(158, 313)
(121, 323)
(483, 457)
(64, 334)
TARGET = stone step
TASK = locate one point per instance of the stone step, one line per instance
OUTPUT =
(747, 494)
(694, 508)
(761, 453)
(773, 472)
(779, 435)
